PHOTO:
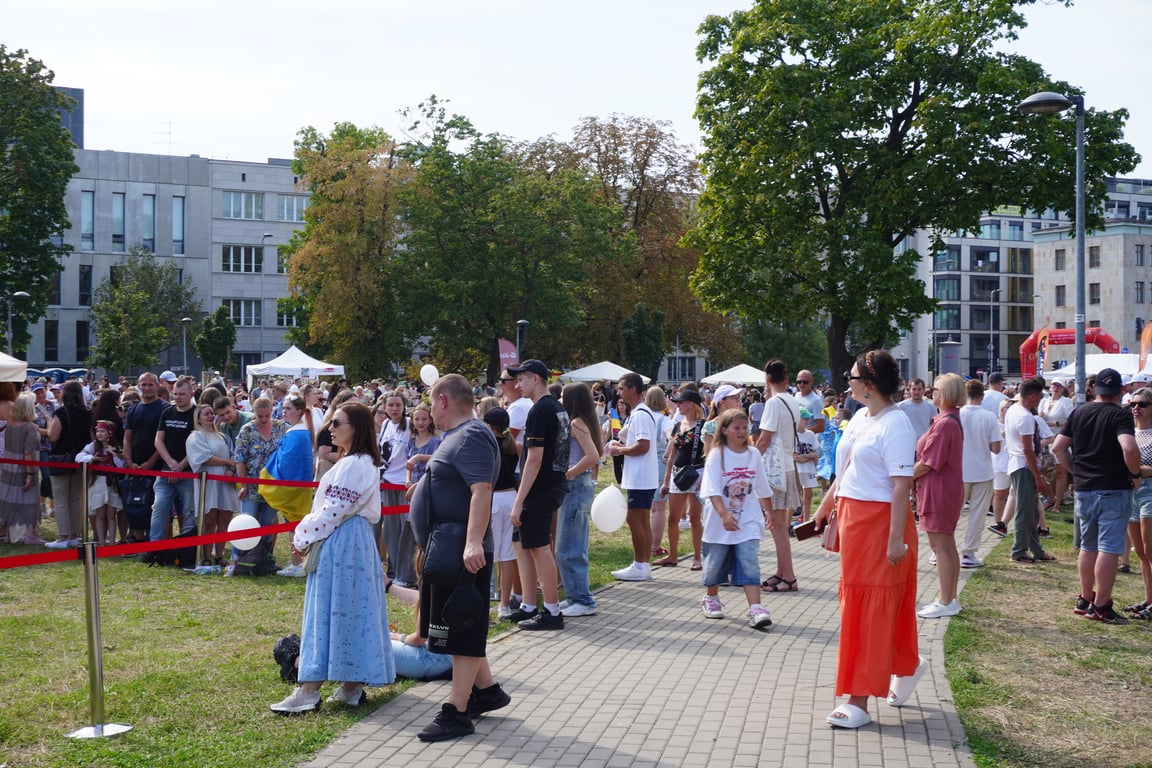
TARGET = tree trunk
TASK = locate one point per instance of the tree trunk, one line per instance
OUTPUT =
(839, 358)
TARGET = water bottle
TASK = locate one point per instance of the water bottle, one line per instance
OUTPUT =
(203, 570)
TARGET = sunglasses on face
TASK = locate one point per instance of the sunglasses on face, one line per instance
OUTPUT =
(1138, 404)
(849, 377)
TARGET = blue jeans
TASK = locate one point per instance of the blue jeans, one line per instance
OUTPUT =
(1103, 520)
(166, 494)
(572, 539)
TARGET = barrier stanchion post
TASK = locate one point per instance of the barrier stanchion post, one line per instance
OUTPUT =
(85, 522)
(99, 728)
(201, 497)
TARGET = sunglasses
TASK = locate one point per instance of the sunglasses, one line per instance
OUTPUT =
(849, 377)
(1138, 404)
(505, 381)
(337, 423)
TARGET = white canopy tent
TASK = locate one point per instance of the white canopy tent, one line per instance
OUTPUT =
(12, 369)
(745, 374)
(1126, 364)
(603, 371)
(294, 363)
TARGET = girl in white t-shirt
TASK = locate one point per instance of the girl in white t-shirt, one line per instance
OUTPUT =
(737, 509)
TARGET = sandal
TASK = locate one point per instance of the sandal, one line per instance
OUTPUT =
(1025, 559)
(1045, 558)
(1136, 608)
(1144, 613)
(777, 584)
(659, 552)
(666, 562)
(696, 566)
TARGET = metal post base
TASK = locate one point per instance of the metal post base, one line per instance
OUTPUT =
(98, 731)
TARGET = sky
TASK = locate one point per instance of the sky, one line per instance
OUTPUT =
(237, 80)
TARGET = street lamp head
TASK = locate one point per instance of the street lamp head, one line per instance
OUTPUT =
(1044, 103)
(21, 295)
(521, 323)
(185, 319)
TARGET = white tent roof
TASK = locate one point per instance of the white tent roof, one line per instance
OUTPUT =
(604, 371)
(1124, 364)
(740, 374)
(295, 363)
(12, 369)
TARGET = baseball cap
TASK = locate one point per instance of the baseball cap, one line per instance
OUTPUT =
(531, 366)
(687, 395)
(37, 387)
(727, 390)
(996, 378)
(1108, 382)
(168, 376)
(1142, 378)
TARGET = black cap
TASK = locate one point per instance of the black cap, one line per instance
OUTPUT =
(996, 378)
(1108, 382)
(531, 366)
(687, 394)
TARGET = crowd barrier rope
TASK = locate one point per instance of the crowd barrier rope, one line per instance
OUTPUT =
(90, 551)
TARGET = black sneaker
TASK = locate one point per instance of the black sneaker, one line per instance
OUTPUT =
(520, 615)
(1105, 614)
(449, 724)
(542, 620)
(1083, 604)
(999, 529)
(488, 699)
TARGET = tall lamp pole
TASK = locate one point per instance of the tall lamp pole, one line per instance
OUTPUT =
(13, 295)
(1048, 103)
(992, 330)
(184, 341)
(521, 326)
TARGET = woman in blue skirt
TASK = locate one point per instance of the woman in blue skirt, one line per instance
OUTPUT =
(345, 630)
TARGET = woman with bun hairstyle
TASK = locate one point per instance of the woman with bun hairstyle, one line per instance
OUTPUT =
(878, 653)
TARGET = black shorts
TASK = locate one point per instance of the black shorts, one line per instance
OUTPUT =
(536, 522)
(470, 642)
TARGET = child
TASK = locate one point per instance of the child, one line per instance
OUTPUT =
(423, 441)
(805, 458)
(103, 498)
(737, 511)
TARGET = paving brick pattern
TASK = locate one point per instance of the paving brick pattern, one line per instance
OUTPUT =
(650, 681)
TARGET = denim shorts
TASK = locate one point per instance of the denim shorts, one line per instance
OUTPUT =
(641, 499)
(1103, 520)
(741, 560)
(1141, 502)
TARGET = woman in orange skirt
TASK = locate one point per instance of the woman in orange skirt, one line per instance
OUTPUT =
(878, 653)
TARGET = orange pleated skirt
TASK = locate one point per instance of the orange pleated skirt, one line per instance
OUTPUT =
(877, 601)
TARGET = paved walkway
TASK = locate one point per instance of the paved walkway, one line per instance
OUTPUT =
(650, 682)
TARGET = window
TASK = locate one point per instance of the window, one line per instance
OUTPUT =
(244, 312)
(285, 319)
(1015, 230)
(946, 260)
(982, 288)
(1139, 291)
(1139, 255)
(990, 230)
(148, 223)
(242, 258)
(117, 221)
(51, 339)
(1144, 211)
(682, 368)
(243, 205)
(983, 319)
(1019, 318)
(1019, 290)
(947, 288)
(54, 294)
(979, 350)
(1093, 256)
(81, 340)
(85, 285)
(1020, 260)
(281, 262)
(948, 319)
(87, 223)
(177, 226)
(985, 259)
(1093, 293)
(1061, 260)
(291, 207)
(1061, 295)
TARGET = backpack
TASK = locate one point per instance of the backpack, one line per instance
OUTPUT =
(138, 497)
(258, 561)
(181, 557)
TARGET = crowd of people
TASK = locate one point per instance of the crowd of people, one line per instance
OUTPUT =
(503, 480)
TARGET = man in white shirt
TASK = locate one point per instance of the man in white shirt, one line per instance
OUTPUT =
(981, 441)
(919, 411)
(780, 423)
(641, 475)
(515, 403)
(994, 395)
(1021, 438)
(1055, 410)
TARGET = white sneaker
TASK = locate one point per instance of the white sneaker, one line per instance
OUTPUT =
(712, 607)
(353, 698)
(577, 609)
(971, 561)
(758, 617)
(685, 524)
(634, 572)
(504, 612)
(292, 571)
(932, 559)
(938, 610)
(297, 703)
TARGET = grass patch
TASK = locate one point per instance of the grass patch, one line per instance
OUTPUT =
(1037, 685)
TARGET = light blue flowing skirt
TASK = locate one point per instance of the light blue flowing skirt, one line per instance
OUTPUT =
(345, 631)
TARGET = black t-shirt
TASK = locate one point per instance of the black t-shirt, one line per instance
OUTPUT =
(144, 419)
(1097, 459)
(684, 441)
(176, 426)
(75, 430)
(508, 465)
(547, 428)
(468, 455)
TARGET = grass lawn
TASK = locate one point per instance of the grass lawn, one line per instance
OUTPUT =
(1037, 685)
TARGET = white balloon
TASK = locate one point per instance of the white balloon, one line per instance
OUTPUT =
(429, 375)
(609, 509)
(244, 523)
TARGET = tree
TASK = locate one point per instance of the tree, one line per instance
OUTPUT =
(137, 311)
(35, 166)
(800, 343)
(834, 129)
(643, 335)
(216, 339)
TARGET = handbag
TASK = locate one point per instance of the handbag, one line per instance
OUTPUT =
(830, 535)
(686, 476)
(774, 465)
(444, 553)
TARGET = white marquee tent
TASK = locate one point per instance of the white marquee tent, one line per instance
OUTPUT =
(604, 371)
(295, 363)
(741, 374)
(12, 369)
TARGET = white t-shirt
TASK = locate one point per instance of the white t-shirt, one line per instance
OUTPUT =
(395, 470)
(641, 472)
(981, 429)
(518, 414)
(992, 400)
(782, 418)
(1019, 425)
(1055, 411)
(920, 414)
(806, 445)
(741, 481)
(882, 446)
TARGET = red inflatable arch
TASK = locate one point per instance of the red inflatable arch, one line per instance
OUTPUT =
(1061, 336)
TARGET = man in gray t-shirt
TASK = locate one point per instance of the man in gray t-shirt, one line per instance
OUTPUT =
(919, 411)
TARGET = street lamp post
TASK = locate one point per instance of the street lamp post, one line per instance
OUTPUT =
(1048, 103)
(263, 239)
(13, 295)
(184, 341)
(521, 326)
(992, 331)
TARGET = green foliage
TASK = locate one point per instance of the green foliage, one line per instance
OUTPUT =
(137, 309)
(217, 337)
(643, 334)
(834, 129)
(800, 343)
(35, 166)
